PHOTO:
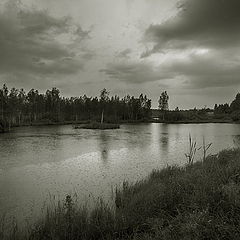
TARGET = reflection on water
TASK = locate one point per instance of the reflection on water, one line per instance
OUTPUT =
(104, 146)
(236, 140)
(38, 162)
(164, 138)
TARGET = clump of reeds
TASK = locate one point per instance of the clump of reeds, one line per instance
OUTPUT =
(192, 150)
(205, 148)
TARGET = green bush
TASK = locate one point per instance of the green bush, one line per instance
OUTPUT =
(235, 116)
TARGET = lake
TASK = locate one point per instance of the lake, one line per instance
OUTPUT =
(39, 165)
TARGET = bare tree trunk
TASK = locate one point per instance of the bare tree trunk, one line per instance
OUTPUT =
(102, 116)
(19, 119)
(2, 109)
(9, 125)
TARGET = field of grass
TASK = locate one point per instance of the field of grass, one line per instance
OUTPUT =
(197, 201)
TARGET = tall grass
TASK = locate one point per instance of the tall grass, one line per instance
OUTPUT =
(192, 150)
(205, 148)
(197, 201)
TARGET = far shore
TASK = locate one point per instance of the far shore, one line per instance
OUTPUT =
(50, 123)
(198, 121)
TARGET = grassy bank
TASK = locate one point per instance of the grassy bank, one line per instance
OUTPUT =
(198, 201)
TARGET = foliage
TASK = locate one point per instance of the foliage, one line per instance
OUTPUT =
(236, 116)
(163, 101)
(18, 107)
(235, 105)
(185, 116)
(172, 116)
(205, 147)
(163, 104)
(192, 150)
(232, 110)
(222, 109)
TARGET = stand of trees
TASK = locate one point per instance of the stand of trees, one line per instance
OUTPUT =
(232, 110)
(226, 112)
(163, 104)
(192, 115)
(18, 107)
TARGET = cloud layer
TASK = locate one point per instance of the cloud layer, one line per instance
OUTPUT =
(198, 48)
(194, 70)
(199, 23)
(132, 72)
(189, 48)
(34, 42)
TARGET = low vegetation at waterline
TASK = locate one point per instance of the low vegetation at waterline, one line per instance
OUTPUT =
(198, 201)
(97, 125)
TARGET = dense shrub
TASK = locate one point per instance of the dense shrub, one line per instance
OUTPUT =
(235, 116)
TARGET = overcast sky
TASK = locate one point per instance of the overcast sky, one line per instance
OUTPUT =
(190, 48)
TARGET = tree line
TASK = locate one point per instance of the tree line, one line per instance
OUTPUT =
(232, 109)
(220, 111)
(19, 107)
(228, 108)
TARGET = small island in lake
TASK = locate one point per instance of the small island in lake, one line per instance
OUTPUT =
(100, 125)
(97, 125)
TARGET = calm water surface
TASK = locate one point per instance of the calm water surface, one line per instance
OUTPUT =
(38, 164)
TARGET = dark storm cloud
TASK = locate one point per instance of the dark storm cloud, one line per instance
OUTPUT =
(194, 71)
(199, 71)
(33, 42)
(200, 47)
(134, 72)
(206, 36)
(199, 23)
